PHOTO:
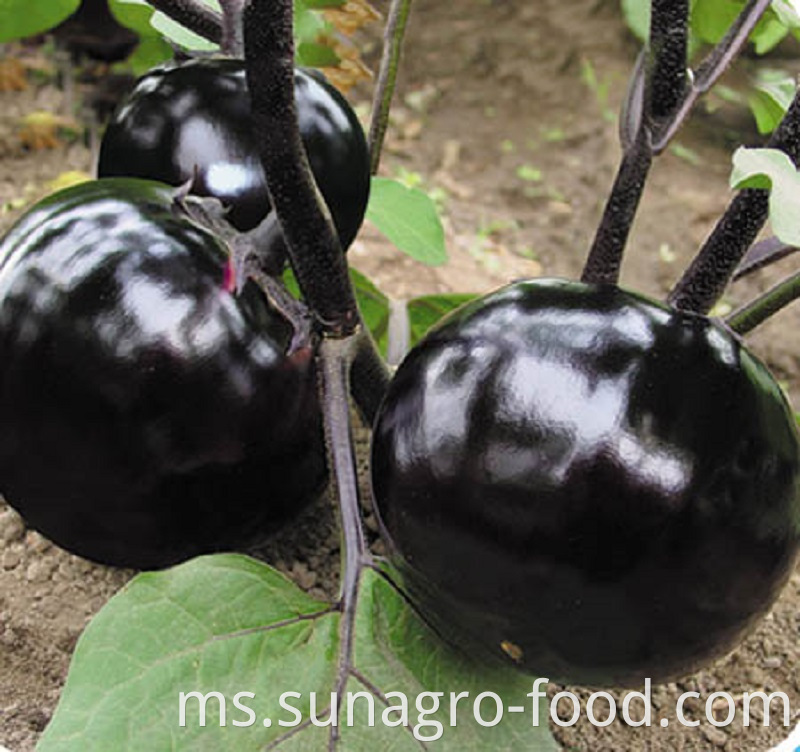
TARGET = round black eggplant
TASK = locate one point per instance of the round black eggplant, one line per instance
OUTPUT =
(147, 413)
(192, 121)
(580, 482)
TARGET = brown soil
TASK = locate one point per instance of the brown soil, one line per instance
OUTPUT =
(498, 112)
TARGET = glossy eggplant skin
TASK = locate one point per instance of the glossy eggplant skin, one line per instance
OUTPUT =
(193, 120)
(585, 484)
(147, 413)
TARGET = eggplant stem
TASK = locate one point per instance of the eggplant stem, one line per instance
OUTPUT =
(710, 70)
(312, 242)
(369, 377)
(763, 254)
(605, 256)
(232, 42)
(311, 239)
(335, 358)
(664, 85)
(704, 282)
(751, 315)
(661, 104)
(387, 78)
(667, 69)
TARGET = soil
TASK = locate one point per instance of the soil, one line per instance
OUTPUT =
(506, 110)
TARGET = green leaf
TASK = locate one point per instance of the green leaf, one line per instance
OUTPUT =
(771, 168)
(374, 307)
(152, 48)
(22, 18)
(180, 35)
(637, 16)
(768, 34)
(316, 55)
(427, 310)
(409, 219)
(322, 4)
(229, 624)
(711, 19)
(772, 93)
(788, 12)
(308, 26)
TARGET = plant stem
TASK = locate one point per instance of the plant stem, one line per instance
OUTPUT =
(710, 70)
(194, 15)
(748, 317)
(669, 34)
(665, 83)
(312, 243)
(708, 275)
(232, 43)
(605, 256)
(369, 377)
(334, 365)
(387, 78)
(666, 101)
(762, 254)
(630, 116)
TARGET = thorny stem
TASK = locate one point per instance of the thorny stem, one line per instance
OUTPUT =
(708, 275)
(387, 78)
(669, 34)
(312, 243)
(334, 365)
(710, 70)
(667, 87)
(194, 15)
(665, 82)
(751, 315)
(321, 271)
(702, 79)
(232, 43)
(605, 257)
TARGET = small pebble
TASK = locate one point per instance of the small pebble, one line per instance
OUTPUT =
(755, 677)
(11, 526)
(715, 736)
(37, 543)
(773, 662)
(39, 570)
(305, 578)
(378, 548)
(371, 523)
(11, 558)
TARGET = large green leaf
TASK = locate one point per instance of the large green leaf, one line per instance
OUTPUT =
(155, 28)
(229, 624)
(711, 19)
(637, 16)
(427, 310)
(152, 48)
(409, 219)
(23, 18)
(374, 307)
(772, 169)
(772, 93)
(788, 11)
